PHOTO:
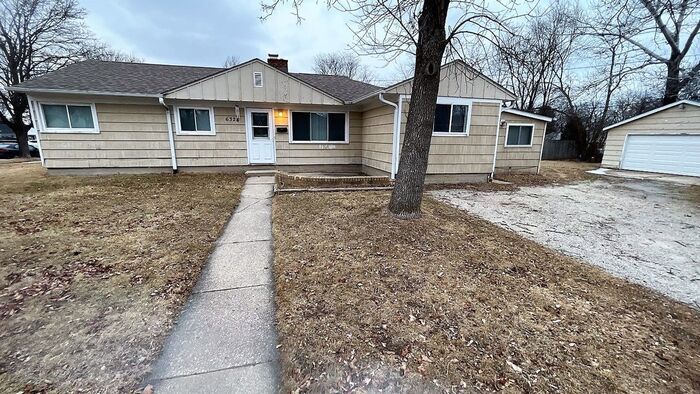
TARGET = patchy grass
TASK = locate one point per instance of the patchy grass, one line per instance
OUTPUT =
(551, 173)
(95, 269)
(450, 302)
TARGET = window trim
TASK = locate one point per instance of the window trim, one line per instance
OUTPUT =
(532, 135)
(45, 129)
(255, 73)
(212, 121)
(454, 101)
(347, 128)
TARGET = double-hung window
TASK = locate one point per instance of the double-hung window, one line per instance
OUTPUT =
(519, 135)
(319, 127)
(452, 117)
(198, 121)
(69, 118)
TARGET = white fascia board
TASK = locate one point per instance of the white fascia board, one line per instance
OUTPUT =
(644, 115)
(85, 92)
(527, 114)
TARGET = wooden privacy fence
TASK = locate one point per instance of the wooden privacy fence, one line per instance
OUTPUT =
(559, 150)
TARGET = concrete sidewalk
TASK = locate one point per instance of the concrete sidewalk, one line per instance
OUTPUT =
(225, 340)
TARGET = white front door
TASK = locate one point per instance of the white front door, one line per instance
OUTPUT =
(261, 136)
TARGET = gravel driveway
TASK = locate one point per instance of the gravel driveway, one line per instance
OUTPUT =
(644, 231)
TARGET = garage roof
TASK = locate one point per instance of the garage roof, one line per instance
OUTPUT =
(644, 115)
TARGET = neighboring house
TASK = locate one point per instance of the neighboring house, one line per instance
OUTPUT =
(103, 117)
(665, 140)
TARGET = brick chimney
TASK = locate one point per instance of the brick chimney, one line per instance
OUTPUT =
(275, 61)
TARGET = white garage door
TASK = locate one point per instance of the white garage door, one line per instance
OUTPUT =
(670, 154)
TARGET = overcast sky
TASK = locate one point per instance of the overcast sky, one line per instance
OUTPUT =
(205, 32)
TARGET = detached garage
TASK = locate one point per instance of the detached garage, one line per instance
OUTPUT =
(665, 140)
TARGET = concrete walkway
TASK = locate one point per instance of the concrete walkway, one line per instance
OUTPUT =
(225, 340)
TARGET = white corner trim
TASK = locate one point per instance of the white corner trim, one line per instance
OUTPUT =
(212, 121)
(45, 129)
(532, 135)
(34, 117)
(495, 145)
(644, 115)
(544, 133)
(527, 114)
(346, 140)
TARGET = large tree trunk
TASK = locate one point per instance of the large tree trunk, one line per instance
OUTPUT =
(673, 82)
(22, 138)
(407, 196)
(20, 106)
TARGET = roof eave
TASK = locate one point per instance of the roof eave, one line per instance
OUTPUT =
(653, 111)
(84, 92)
(527, 114)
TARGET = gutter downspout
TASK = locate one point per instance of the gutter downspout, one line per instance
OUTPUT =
(173, 157)
(394, 133)
(498, 130)
(34, 116)
(544, 134)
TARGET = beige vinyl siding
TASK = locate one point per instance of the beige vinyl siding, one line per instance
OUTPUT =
(377, 135)
(519, 159)
(226, 148)
(326, 153)
(472, 154)
(237, 85)
(458, 81)
(670, 121)
(131, 135)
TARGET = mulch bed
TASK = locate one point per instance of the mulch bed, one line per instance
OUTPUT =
(450, 302)
(294, 181)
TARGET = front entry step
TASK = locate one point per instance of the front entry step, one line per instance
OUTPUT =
(252, 173)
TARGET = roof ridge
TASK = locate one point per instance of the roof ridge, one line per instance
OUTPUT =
(148, 63)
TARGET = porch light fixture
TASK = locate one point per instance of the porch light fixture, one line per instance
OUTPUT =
(281, 117)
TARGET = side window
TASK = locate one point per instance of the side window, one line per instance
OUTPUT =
(257, 79)
(71, 118)
(451, 119)
(519, 135)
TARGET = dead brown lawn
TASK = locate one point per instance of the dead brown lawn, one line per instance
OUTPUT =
(453, 303)
(95, 269)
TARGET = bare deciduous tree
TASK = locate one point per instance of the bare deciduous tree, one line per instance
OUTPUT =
(342, 63)
(390, 28)
(231, 61)
(104, 52)
(662, 31)
(527, 61)
(36, 37)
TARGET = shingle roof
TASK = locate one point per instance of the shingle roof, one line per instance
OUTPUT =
(153, 79)
(118, 77)
(338, 86)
